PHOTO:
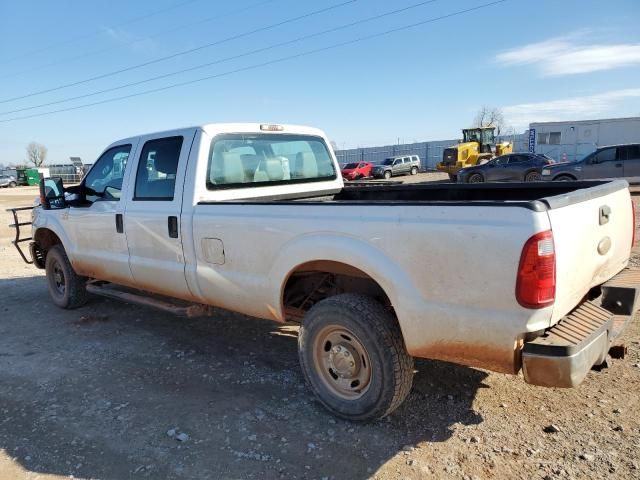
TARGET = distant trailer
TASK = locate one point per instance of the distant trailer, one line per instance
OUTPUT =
(573, 140)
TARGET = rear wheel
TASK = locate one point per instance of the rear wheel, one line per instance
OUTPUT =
(453, 178)
(564, 178)
(532, 177)
(13, 184)
(387, 174)
(414, 170)
(66, 288)
(476, 178)
(353, 356)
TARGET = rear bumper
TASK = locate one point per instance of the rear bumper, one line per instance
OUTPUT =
(563, 356)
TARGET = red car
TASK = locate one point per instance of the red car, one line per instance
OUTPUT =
(354, 171)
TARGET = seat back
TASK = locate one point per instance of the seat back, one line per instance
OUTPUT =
(306, 165)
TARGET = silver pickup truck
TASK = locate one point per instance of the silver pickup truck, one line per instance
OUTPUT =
(256, 219)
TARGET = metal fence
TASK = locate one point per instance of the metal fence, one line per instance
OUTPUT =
(430, 153)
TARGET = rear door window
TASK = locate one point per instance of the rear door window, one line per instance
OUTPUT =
(631, 152)
(157, 169)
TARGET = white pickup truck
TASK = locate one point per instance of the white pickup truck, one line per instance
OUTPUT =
(255, 218)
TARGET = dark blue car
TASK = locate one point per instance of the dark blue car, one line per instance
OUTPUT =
(513, 167)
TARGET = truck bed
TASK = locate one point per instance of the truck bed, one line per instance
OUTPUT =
(537, 196)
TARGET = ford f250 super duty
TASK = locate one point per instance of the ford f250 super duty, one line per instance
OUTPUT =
(256, 219)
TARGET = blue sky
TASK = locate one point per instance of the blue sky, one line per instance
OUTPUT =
(537, 60)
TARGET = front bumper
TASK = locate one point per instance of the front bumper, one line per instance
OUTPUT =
(563, 356)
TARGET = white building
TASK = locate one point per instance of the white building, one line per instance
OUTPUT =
(574, 140)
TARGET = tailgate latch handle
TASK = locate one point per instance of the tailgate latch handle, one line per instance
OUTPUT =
(605, 212)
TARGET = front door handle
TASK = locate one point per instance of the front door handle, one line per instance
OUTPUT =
(618, 164)
(172, 224)
(119, 223)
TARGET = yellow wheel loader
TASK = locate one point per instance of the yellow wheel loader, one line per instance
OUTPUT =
(478, 146)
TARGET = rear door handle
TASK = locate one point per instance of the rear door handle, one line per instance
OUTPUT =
(172, 223)
(618, 164)
(119, 223)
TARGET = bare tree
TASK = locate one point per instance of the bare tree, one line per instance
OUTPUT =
(36, 154)
(489, 117)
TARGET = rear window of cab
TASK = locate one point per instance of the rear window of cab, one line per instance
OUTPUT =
(263, 159)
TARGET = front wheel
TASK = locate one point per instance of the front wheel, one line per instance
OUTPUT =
(564, 178)
(13, 184)
(414, 171)
(387, 175)
(533, 177)
(353, 356)
(66, 288)
(476, 178)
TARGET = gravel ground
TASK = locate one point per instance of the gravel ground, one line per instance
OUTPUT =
(116, 391)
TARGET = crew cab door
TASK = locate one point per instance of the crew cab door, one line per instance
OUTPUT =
(98, 244)
(152, 214)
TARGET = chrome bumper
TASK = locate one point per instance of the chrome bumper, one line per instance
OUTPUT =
(563, 356)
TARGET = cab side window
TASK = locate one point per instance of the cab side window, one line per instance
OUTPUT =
(606, 155)
(104, 180)
(157, 169)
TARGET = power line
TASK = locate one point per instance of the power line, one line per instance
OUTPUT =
(234, 57)
(93, 53)
(264, 64)
(97, 32)
(184, 52)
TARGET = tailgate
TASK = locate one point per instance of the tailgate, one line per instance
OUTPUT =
(592, 231)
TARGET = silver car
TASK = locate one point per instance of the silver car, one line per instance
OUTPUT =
(400, 165)
(7, 181)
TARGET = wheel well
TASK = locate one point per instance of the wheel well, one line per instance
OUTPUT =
(567, 175)
(45, 239)
(313, 281)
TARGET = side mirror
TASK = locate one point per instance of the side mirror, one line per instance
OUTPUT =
(52, 193)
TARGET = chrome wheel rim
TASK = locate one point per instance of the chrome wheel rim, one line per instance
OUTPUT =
(342, 362)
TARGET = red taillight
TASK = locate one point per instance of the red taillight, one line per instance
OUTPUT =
(536, 283)
(633, 212)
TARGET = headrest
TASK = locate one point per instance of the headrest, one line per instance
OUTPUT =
(232, 169)
(274, 169)
(166, 159)
(306, 165)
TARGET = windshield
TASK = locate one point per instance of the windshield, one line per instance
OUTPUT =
(481, 135)
(388, 161)
(351, 165)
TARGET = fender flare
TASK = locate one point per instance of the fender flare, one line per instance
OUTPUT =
(344, 249)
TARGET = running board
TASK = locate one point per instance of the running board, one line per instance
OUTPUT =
(149, 300)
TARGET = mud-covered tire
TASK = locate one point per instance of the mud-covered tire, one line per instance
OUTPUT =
(367, 323)
(66, 288)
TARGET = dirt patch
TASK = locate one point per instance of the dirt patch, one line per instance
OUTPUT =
(92, 398)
